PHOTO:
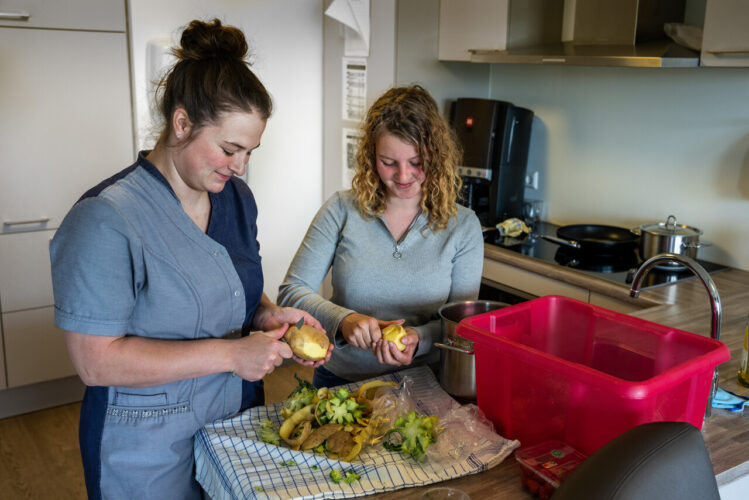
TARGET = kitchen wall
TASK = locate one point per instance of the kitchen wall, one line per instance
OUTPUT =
(627, 146)
(380, 76)
(285, 173)
(621, 146)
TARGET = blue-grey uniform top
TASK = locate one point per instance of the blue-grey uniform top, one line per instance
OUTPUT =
(127, 260)
(373, 274)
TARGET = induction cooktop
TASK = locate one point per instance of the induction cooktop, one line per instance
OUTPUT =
(617, 267)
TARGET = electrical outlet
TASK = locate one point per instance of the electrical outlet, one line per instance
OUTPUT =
(531, 180)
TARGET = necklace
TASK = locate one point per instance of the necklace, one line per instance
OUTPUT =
(397, 247)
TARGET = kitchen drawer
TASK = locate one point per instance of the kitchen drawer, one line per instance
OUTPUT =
(35, 349)
(25, 271)
(529, 282)
(99, 15)
(3, 383)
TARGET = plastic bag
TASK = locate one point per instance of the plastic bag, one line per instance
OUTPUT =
(464, 429)
(388, 404)
(512, 228)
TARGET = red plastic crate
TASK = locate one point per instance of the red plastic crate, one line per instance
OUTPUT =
(559, 368)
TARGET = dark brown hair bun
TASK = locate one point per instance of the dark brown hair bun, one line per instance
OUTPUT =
(206, 40)
(211, 77)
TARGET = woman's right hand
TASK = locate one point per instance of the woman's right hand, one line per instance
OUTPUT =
(364, 331)
(260, 353)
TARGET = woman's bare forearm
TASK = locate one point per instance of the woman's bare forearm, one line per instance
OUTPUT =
(141, 362)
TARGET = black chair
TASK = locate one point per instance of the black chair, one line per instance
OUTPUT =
(658, 461)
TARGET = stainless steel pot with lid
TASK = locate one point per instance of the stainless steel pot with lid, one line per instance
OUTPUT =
(457, 363)
(669, 237)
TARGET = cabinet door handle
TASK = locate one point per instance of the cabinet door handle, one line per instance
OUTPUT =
(41, 220)
(744, 52)
(14, 16)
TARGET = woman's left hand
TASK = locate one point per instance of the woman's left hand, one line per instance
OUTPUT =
(271, 316)
(387, 352)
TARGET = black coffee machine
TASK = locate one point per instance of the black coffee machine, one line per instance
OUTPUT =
(495, 136)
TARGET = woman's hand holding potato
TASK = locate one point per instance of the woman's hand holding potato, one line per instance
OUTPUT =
(309, 345)
(364, 331)
(389, 353)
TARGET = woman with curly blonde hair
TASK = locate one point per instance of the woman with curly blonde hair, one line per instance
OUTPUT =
(410, 114)
(398, 244)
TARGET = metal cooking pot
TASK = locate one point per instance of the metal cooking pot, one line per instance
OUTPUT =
(457, 364)
(669, 237)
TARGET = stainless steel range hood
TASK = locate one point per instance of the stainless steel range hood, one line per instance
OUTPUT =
(627, 33)
(656, 54)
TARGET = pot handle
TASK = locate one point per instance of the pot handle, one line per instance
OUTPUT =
(453, 348)
(569, 243)
(696, 244)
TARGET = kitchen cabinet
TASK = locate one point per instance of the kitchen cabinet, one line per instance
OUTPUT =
(66, 125)
(725, 39)
(100, 15)
(3, 383)
(530, 282)
(35, 348)
(467, 25)
(539, 285)
(66, 120)
(25, 273)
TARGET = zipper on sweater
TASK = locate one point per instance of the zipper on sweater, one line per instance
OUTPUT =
(397, 244)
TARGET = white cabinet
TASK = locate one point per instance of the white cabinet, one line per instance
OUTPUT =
(25, 274)
(66, 124)
(100, 15)
(35, 349)
(725, 37)
(3, 383)
(467, 25)
(66, 120)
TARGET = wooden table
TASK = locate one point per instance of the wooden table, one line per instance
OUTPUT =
(684, 305)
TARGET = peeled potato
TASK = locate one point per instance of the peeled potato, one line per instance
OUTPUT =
(395, 333)
(307, 342)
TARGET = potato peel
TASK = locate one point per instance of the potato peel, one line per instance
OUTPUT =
(298, 417)
(343, 442)
(306, 430)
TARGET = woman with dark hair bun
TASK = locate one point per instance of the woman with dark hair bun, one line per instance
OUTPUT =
(158, 284)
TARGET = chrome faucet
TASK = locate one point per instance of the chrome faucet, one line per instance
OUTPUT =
(715, 305)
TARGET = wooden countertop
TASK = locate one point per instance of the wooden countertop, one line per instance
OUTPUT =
(684, 305)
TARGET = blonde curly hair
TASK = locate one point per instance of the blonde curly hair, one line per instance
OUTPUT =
(411, 114)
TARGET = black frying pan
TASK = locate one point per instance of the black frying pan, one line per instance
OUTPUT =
(596, 237)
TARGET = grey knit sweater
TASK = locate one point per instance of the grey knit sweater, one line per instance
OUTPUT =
(434, 268)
